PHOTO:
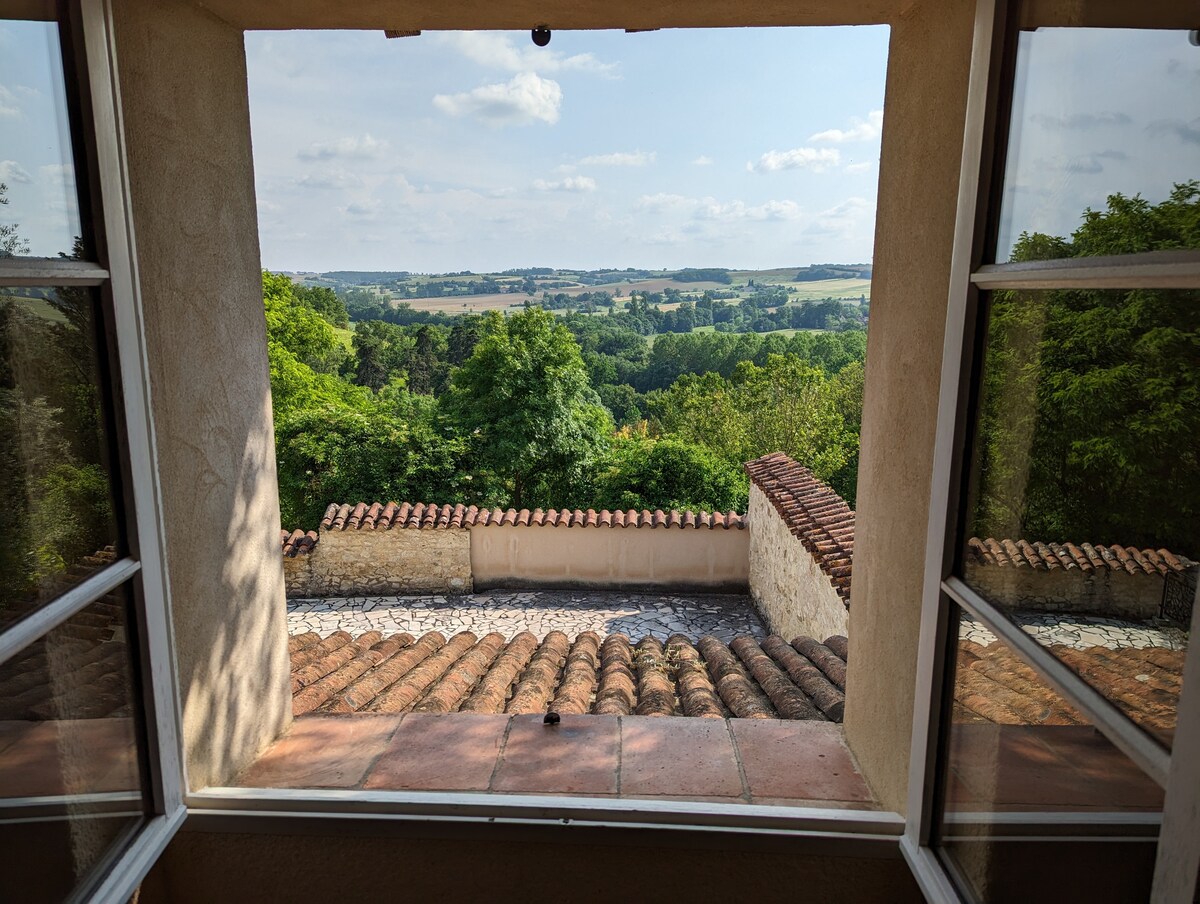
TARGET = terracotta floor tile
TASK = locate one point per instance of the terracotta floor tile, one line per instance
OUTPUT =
(432, 752)
(814, 804)
(71, 756)
(798, 760)
(579, 755)
(678, 757)
(323, 752)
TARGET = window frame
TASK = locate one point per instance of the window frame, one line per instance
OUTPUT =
(981, 176)
(105, 211)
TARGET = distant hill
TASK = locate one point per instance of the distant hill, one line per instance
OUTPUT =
(833, 271)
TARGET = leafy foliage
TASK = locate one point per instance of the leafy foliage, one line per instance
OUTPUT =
(1091, 407)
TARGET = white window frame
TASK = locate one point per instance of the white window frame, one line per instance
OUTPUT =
(117, 879)
(1178, 856)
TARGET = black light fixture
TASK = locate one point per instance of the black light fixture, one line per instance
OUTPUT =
(541, 35)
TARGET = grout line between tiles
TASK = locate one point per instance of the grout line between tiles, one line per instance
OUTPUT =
(500, 754)
(387, 742)
(737, 758)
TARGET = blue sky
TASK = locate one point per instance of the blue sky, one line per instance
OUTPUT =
(739, 148)
(452, 151)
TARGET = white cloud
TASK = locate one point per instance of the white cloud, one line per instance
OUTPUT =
(709, 209)
(13, 173)
(522, 100)
(861, 130)
(8, 103)
(353, 147)
(369, 209)
(859, 167)
(571, 183)
(843, 219)
(332, 178)
(497, 51)
(636, 158)
(663, 200)
(702, 160)
(815, 159)
(725, 211)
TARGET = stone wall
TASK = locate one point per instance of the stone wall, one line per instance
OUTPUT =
(383, 562)
(792, 593)
(1115, 594)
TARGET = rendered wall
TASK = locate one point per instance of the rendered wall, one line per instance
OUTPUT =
(187, 133)
(632, 866)
(389, 562)
(617, 557)
(792, 593)
(1103, 592)
(925, 105)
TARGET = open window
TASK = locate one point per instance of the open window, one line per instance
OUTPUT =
(1056, 711)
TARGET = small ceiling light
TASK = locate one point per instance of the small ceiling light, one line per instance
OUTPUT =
(541, 35)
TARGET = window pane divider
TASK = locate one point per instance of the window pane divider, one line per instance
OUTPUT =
(53, 614)
(1149, 755)
(17, 271)
(1151, 270)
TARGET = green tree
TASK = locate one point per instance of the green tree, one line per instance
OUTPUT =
(534, 423)
(1091, 399)
(11, 243)
(668, 473)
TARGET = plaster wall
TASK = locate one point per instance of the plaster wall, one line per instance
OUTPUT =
(792, 593)
(187, 133)
(388, 562)
(1107, 593)
(626, 557)
(925, 104)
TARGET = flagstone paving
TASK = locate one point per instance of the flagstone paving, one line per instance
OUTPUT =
(1081, 632)
(724, 616)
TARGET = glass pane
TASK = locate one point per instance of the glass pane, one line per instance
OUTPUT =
(1021, 762)
(39, 207)
(1085, 484)
(70, 774)
(58, 519)
(1100, 112)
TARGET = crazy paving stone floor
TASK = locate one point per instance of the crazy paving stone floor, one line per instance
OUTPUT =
(1082, 632)
(511, 612)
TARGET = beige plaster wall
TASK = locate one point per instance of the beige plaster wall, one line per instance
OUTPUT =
(610, 557)
(352, 562)
(924, 103)
(627, 865)
(1104, 592)
(187, 132)
(791, 591)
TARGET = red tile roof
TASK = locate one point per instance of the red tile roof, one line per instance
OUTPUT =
(1086, 557)
(993, 684)
(813, 512)
(298, 542)
(464, 673)
(380, 516)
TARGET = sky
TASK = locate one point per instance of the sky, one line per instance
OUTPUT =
(741, 148)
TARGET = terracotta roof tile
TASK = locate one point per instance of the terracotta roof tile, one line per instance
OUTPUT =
(425, 516)
(1085, 557)
(298, 542)
(705, 678)
(813, 512)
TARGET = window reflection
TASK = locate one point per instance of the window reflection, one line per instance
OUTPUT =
(1084, 484)
(58, 519)
(1020, 762)
(39, 206)
(70, 779)
(1098, 112)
